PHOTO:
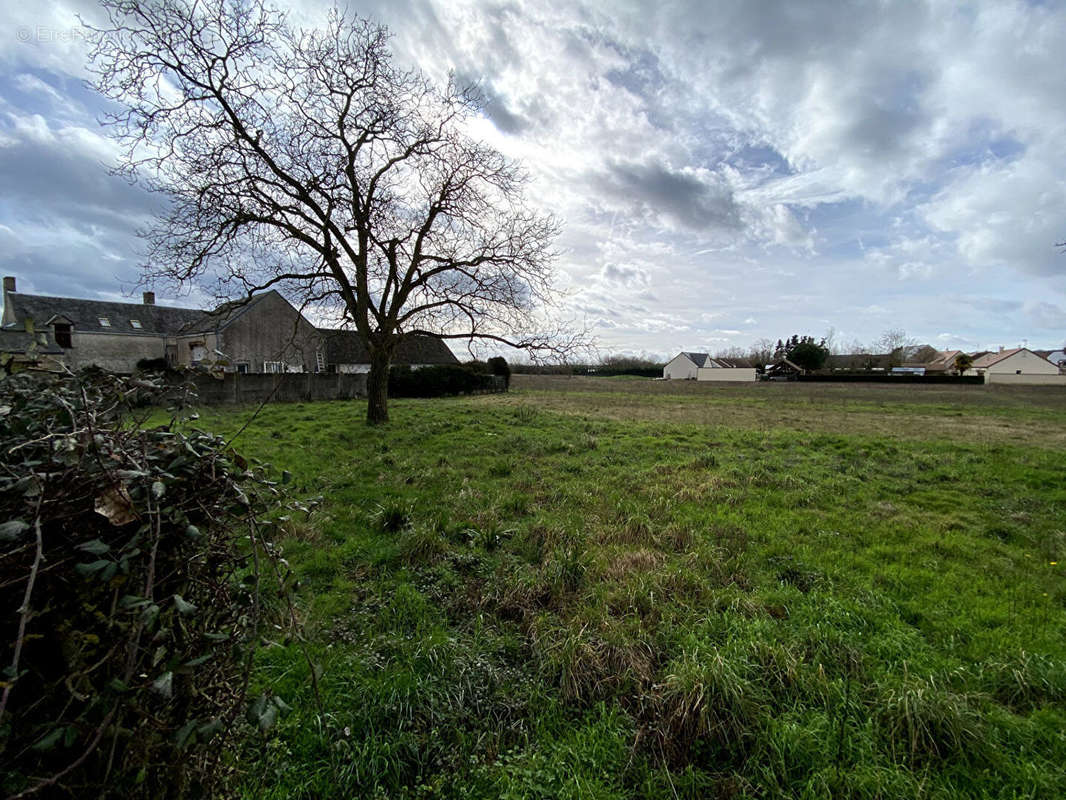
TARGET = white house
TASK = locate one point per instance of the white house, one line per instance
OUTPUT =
(1017, 361)
(1018, 365)
(686, 366)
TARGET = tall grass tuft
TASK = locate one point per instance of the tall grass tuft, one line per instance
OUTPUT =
(1024, 682)
(707, 695)
(925, 722)
(391, 517)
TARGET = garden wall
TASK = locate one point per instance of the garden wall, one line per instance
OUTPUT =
(881, 378)
(729, 374)
(1026, 380)
(280, 388)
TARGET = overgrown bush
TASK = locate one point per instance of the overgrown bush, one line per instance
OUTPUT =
(153, 365)
(438, 381)
(130, 592)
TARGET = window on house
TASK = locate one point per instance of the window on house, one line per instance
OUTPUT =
(104, 322)
(62, 335)
(273, 366)
(135, 323)
(242, 368)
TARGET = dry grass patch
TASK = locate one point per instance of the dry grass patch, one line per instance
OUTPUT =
(640, 561)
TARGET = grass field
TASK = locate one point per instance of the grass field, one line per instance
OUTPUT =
(607, 588)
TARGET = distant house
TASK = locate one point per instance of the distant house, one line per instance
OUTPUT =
(942, 363)
(685, 366)
(264, 334)
(1017, 361)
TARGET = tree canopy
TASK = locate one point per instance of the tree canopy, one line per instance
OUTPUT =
(309, 161)
(803, 351)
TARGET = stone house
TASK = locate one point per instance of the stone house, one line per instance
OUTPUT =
(263, 335)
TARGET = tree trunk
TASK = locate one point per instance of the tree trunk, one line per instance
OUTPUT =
(377, 389)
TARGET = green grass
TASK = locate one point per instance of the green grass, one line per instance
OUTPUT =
(638, 593)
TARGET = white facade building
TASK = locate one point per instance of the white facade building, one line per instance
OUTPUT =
(685, 366)
(1018, 361)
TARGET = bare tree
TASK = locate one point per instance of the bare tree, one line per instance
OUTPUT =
(854, 346)
(831, 340)
(733, 351)
(897, 344)
(308, 161)
(761, 352)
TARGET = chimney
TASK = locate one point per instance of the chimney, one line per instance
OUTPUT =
(9, 283)
(149, 298)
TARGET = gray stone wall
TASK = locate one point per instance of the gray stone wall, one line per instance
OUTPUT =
(112, 351)
(271, 330)
(236, 388)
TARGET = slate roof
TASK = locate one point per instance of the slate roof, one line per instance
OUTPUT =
(224, 314)
(86, 314)
(12, 341)
(349, 347)
(699, 359)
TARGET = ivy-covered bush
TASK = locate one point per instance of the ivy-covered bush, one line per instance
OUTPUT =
(129, 588)
(498, 366)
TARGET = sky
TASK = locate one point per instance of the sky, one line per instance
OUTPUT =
(723, 171)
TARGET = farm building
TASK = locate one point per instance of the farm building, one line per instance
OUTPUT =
(264, 334)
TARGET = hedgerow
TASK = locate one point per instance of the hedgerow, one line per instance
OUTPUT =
(438, 381)
(129, 579)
